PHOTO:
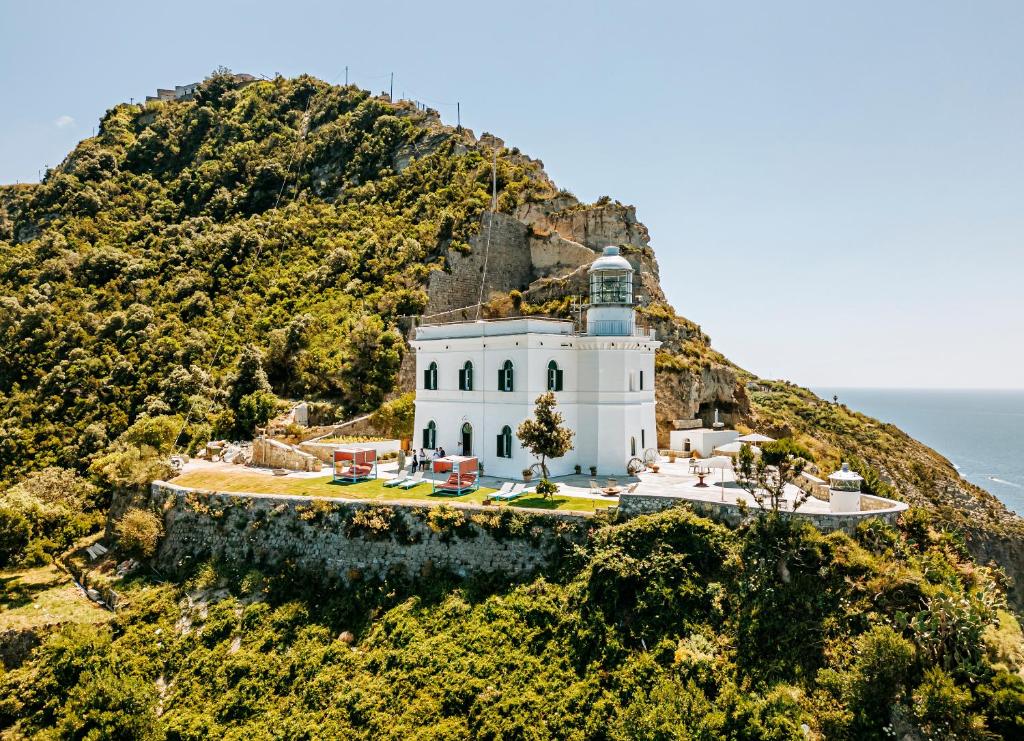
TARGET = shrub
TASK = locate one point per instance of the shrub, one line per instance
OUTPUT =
(139, 531)
(546, 488)
(15, 532)
(942, 710)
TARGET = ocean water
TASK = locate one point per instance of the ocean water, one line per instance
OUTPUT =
(980, 432)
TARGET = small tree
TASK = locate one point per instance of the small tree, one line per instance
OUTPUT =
(544, 435)
(139, 532)
(765, 477)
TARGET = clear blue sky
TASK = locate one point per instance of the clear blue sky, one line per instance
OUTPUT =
(835, 191)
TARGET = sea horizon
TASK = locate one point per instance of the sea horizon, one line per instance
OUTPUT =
(979, 430)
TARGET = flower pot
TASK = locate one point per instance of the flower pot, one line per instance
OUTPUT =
(593, 470)
(579, 470)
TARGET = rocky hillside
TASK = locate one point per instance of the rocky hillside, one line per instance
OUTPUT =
(197, 258)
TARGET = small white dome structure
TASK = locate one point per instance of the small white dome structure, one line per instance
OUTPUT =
(844, 490)
(610, 311)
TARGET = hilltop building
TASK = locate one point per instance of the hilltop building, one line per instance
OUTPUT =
(187, 92)
(476, 381)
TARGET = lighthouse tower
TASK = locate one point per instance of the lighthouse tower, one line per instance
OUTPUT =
(844, 490)
(610, 312)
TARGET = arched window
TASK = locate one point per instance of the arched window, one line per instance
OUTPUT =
(505, 442)
(554, 377)
(430, 435)
(466, 377)
(430, 377)
(467, 439)
(686, 445)
(505, 376)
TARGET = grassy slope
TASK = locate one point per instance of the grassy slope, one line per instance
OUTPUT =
(43, 596)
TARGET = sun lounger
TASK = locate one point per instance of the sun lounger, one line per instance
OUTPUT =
(416, 478)
(514, 491)
(398, 480)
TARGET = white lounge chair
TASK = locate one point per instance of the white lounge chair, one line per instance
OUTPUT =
(398, 480)
(514, 491)
(416, 478)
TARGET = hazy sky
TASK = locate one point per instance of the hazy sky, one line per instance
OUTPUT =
(834, 190)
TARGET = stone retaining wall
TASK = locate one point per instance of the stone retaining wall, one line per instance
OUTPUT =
(346, 540)
(631, 505)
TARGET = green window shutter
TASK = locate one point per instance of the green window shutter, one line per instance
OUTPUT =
(462, 379)
(426, 437)
(558, 380)
(501, 446)
(501, 379)
(641, 380)
(426, 378)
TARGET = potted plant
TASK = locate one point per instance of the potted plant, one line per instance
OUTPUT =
(671, 456)
(593, 470)
(655, 468)
(579, 469)
(527, 474)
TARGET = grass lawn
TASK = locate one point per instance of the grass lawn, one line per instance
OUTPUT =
(43, 596)
(322, 486)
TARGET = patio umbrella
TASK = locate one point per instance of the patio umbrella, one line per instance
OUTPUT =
(721, 462)
(733, 448)
(756, 437)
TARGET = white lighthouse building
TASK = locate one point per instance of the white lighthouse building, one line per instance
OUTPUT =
(476, 381)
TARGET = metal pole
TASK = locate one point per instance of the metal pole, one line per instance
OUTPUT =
(346, 75)
(391, 94)
(458, 115)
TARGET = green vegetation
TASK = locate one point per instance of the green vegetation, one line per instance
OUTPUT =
(544, 435)
(151, 274)
(664, 627)
(323, 486)
(44, 514)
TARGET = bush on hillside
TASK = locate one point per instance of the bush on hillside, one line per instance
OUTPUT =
(139, 532)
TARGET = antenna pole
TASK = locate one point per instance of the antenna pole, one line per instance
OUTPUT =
(458, 115)
(392, 93)
(346, 75)
(494, 182)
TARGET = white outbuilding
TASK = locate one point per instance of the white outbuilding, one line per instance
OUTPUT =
(476, 381)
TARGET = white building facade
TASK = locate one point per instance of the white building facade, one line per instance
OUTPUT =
(477, 381)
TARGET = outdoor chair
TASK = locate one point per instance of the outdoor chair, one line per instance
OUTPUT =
(512, 492)
(595, 488)
(398, 480)
(416, 478)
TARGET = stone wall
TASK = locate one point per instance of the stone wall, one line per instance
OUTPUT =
(508, 266)
(346, 540)
(631, 505)
(275, 454)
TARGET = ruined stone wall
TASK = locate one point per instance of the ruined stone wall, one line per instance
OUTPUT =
(631, 505)
(274, 454)
(508, 266)
(346, 541)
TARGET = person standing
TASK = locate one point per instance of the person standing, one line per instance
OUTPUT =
(415, 461)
